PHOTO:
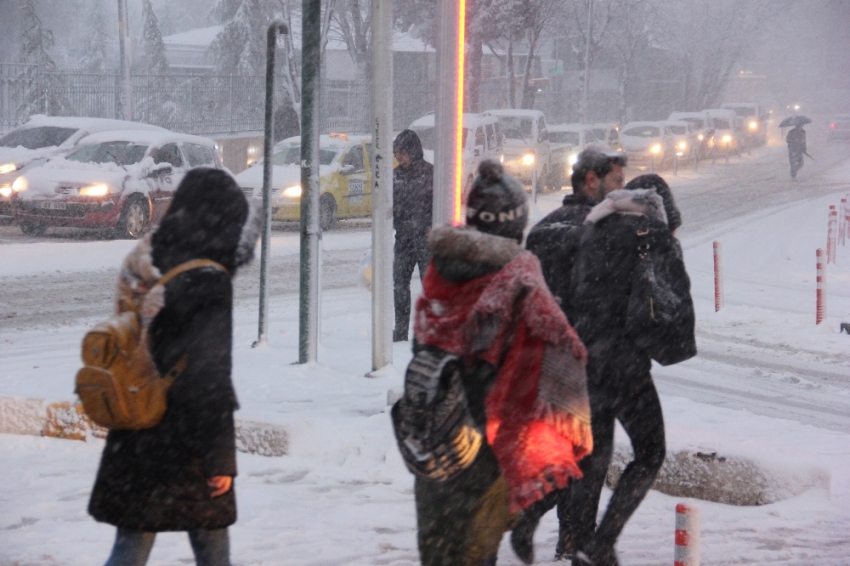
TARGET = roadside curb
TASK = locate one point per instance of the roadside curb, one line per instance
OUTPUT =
(65, 419)
(724, 479)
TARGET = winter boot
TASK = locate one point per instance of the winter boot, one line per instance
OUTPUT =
(522, 537)
(565, 547)
(596, 553)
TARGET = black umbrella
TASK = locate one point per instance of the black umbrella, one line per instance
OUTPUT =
(795, 120)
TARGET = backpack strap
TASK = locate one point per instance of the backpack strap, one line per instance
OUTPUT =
(188, 266)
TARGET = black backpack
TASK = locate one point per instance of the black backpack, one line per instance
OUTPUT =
(434, 428)
(660, 318)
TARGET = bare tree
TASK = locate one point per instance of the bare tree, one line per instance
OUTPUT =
(352, 23)
(634, 25)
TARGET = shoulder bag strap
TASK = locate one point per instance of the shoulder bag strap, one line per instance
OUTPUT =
(188, 266)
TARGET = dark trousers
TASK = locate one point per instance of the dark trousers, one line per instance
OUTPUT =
(406, 256)
(638, 409)
(796, 159)
(132, 548)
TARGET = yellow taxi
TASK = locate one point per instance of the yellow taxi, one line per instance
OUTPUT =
(345, 179)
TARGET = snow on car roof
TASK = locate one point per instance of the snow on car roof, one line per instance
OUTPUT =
(677, 123)
(145, 137)
(678, 115)
(631, 125)
(91, 125)
(469, 120)
(329, 140)
(570, 127)
(515, 112)
(719, 112)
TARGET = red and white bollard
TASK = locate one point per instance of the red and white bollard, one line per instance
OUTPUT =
(832, 234)
(842, 223)
(687, 535)
(820, 312)
(718, 278)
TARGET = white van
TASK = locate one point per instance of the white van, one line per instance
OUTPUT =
(482, 139)
(701, 124)
(728, 129)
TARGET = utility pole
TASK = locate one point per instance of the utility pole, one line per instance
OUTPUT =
(382, 183)
(586, 103)
(448, 163)
(126, 60)
(311, 236)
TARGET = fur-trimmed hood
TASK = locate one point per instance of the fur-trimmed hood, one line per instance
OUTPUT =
(638, 201)
(462, 253)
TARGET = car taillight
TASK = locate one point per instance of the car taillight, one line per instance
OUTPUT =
(832, 125)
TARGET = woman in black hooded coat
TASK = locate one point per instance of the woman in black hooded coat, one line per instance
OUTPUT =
(177, 476)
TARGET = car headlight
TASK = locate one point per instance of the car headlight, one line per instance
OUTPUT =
(754, 125)
(99, 190)
(8, 168)
(20, 185)
(700, 137)
(573, 158)
(6, 191)
(727, 138)
(528, 159)
(683, 145)
(656, 148)
(292, 192)
(502, 158)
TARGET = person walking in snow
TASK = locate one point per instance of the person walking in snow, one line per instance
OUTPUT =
(178, 475)
(485, 302)
(796, 140)
(413, 198)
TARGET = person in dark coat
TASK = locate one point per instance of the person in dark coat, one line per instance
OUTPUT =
(178, 475)
(413, 204)
(796, 140)
(618, 373)
(485, 300)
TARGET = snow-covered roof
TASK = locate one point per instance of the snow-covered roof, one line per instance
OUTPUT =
(515, 112)
(145, 137)
(469, 120)
(328, 141)
(201, 37)
(679, 115)
(575, 127)
(631, 125)
(88, 124)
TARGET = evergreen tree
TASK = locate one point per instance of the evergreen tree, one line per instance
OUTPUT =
(43, 84)
(157, 105)
(156, 63)
(94, 52)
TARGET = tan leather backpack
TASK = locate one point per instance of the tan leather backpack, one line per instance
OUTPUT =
(119, 385)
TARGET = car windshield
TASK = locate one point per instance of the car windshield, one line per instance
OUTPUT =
(426, 136)
(291, 155)
(118, 152)
(643, 132)
(571, 138)
(516, 128)
(37, 138)
(678, 130)
(744, 111)
(695, 121)
(721, 124)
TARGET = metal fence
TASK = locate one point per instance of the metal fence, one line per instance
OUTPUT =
(202, 104)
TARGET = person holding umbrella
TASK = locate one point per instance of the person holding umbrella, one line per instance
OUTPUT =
(796, 140)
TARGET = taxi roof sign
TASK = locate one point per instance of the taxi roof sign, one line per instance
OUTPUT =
(343, 137)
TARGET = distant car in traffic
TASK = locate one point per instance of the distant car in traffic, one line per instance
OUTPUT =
(121, 180)
(755, 120)
(839, 128)
(701, 125)
(43, 137)
(482, 139)
(576, 138)
(728, 130)
(345, 179)
(683, 137)
(646, 143)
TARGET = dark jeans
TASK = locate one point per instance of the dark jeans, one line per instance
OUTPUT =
(796, 159)
(406, 256)
(132, 548)
(638, 409)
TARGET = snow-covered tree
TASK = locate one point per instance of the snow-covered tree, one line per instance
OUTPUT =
(43, 85)
(155, 60)
(157, 105)
(94, 50)
(239, 48)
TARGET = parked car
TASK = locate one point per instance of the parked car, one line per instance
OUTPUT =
(728, 130)
(646, 142)
(839, 128)
(755, 119)
(43, 137)
(345, 179)
(527, 148)
(121, 180)
(482, 139)
(701, 125)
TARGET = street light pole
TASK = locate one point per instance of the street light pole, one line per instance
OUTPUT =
(381, 162)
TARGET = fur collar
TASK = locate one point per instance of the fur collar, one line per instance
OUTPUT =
(468, 245)
(637, 201)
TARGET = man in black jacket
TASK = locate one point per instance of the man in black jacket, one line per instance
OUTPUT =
(796, 140)
(413, 198)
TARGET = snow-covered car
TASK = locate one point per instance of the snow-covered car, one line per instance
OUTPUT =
(701, 125)
(575, 138)
(646, 142)
(755, 120)
(683, 137)
(345, 179)
(839, 128)
(122, 180)
(527, 149)
(43, 137)
(610, 132)
(728, 130)
(482, 139)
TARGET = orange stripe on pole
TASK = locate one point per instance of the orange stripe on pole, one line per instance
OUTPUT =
(461, 62)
